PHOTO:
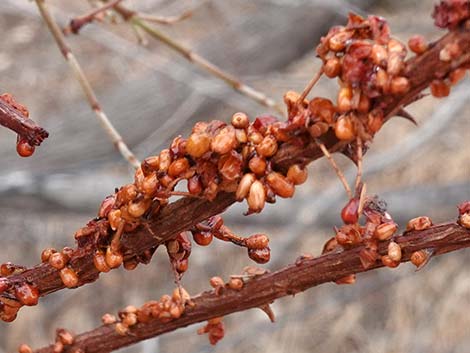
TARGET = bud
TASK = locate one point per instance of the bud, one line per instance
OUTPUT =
(27, 294)
(260, 256)
(419, 223)
(339, 40)
(379, 55)
(344, 128)
(267, 147)
(235, 283)
(456, 75)
(150, 164)
(244, 186)
(113, 258)
(137, 209)
(46, 254)
(257, 165)
(195, 185)
(395, 64)
(399, 85)
(420, 258)
(65, 336)
(256, 197)
(322, 108)
(385, 231)
(165, 160)
(394, 251)
(387, 261)
(257, 241)
(224, 141)
(240, 120)
(439, 88)
(99, 260)
(349, 213)
(318, 129)
(69, 277)
(417, 44)
(332, 67)
(297, 174)
(198, 144)
(345, 99)
(58, 260)
(280, 184)
(178, 167)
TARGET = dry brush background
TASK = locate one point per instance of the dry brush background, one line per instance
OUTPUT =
(151, 94)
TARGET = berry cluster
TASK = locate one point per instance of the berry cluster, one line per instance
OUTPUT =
(450, 13)
(215, 329)
(166, 309)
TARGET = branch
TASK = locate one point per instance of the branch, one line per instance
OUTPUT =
(113, 134)
(187, 212)
(141, 22)
(23, 126)
(262, 290)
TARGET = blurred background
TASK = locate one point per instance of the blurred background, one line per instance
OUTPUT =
(152, 94)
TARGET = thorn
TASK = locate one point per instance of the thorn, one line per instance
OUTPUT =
(404, 114)
(269, 311)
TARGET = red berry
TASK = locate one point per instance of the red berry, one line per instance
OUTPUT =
(349, 212)
(23, 148)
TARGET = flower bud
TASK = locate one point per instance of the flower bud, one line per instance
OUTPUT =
(385, 231)
(27, 294)
(419, 223)
(267, 147)
(280, 184)
(69, 277)
(256, 197)
(345, 99)
(257, 241)
(224, 141)
(244, 186)
(198, 144)
(257, 165)
(297, 174)
(178, 167)
(99, 260)
(260, 256)
(344, 128)
(417, 44)
(439, 88)
(394, 251)
(240, 120)
(332, 67)
(113, 258)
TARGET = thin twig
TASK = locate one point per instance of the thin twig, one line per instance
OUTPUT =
(85, 84)
(359, 162)
(166, 20)
(78, 22)
(337, 169)
(25, 127)
(310, 85)
(236, 84)
(264, 289)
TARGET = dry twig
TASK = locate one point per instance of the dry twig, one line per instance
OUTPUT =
(114, 135)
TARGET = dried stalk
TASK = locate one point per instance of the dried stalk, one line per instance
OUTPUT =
(295, 278)
(114, 135)
(185, 213)
(141, 22)
(77, 23)
(25, 127)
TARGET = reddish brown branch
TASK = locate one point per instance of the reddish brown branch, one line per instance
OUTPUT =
(187, 212)
(265, 289)
(23, 126)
